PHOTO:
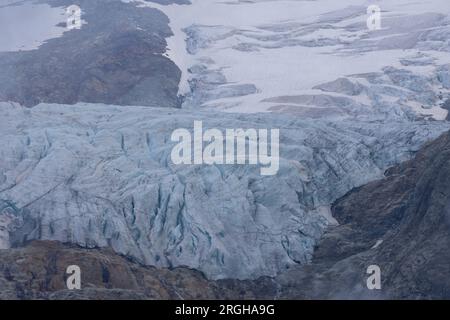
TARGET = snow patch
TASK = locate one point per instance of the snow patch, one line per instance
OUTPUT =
(25, 25)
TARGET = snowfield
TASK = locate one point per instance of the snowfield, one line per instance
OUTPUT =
(25, 26)
(234, 55)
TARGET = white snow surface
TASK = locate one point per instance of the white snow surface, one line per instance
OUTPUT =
(25, 25)
(251, 51)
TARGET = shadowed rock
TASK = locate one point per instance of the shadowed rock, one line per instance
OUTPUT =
(400, 223)
(115, 58)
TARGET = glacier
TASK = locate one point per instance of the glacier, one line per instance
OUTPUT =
(99, 175)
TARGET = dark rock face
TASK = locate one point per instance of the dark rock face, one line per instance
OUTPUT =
(409, 212)
(116, 58)
(38, 271)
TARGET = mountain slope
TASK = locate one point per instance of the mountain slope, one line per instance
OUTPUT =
(400, 223)
(117, 57)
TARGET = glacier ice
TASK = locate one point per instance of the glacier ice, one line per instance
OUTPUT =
(98, 175)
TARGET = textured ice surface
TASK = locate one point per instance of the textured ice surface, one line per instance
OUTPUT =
(98, 175)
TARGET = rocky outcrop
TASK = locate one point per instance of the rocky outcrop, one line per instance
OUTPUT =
(38, 271)
(117, 57)
(400, 223)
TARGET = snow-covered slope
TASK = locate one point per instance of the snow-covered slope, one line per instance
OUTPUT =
(101, 175)
(243, 56)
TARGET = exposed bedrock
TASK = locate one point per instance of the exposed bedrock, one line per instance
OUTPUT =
(115, 58)
(400, 223)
